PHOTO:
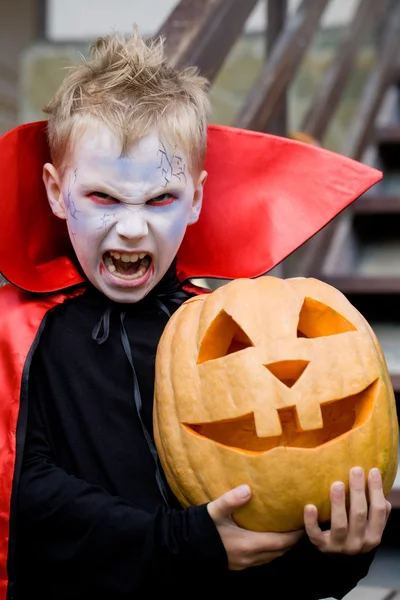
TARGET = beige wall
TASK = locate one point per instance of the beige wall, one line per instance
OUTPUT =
(85, 19)
(18, 27)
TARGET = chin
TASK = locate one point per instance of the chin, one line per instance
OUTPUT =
(128, 294)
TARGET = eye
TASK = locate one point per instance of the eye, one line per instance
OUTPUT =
(318, 320)
(162, 200)
(101, 198)
(223, 337)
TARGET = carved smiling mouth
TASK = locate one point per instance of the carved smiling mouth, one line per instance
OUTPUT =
(339, 417)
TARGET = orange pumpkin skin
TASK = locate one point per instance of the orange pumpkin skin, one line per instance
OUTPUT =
(280, 384)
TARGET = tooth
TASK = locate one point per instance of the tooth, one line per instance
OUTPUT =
(116, 255)
(142, 255)
(134, 257)
(139, 273)
(108, 261)
(125, 257)
(111, 268)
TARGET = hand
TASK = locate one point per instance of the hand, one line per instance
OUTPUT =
(246, 548)
(362, 529)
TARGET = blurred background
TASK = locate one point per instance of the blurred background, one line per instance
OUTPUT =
(40, 38)
(323, 71)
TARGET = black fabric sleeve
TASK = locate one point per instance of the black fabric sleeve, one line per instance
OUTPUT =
(336, 574)
(103, 541)
(92, 540)
(308, 574)
(87, 539)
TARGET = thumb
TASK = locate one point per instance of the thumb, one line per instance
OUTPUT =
(225, 505)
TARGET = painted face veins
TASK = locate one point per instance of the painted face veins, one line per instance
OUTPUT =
(171, 165)
(127, 215)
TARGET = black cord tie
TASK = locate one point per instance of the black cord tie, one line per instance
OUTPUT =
(103, 324)
(139, 406)
(100, 334)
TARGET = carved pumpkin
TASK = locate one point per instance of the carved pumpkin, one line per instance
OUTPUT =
(280, 384)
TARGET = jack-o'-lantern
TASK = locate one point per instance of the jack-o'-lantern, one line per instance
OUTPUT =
(280, 384)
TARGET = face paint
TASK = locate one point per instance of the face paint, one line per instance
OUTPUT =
(127, 215)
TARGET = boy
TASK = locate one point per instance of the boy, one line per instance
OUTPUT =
(91, 514)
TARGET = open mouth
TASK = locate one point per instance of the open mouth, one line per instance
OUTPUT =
(127, 265)
(339, 417)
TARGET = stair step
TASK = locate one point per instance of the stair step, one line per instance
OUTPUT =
(387, 140)
(387, 134)
(395, 379)
(363, 253)
(360, 284)
(388, 335)
(377, 204)
(365, 592)
(394, 496)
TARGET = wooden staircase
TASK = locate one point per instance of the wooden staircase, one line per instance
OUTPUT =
(359, 252)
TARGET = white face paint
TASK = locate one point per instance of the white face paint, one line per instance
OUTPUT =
(127, 215)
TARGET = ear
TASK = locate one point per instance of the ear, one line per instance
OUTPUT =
(52, 182)
(197, 198)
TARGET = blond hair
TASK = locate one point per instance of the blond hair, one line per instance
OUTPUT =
(128, 85)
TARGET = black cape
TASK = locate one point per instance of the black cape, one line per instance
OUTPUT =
(95, 516)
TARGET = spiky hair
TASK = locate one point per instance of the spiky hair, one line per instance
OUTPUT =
(128, 85)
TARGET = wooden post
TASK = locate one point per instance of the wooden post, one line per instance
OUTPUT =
(378, 82)
(330, 90)
(276, 18)
(281, 66)
(202, 32)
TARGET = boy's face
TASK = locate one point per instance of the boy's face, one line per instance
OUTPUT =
(126, 215)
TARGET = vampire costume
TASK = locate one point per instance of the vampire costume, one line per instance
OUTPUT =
(85, 511)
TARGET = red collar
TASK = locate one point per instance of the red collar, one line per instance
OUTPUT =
(264, 197)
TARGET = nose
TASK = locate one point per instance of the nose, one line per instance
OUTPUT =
(132, 226)
(288, 371)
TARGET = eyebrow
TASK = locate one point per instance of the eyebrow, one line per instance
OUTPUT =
(153, 190)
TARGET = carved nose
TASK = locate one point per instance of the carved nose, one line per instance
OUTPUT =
(288, 371)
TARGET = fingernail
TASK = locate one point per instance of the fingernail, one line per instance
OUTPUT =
(338, 487)
(243, 491)
(357, 472)
(375, 474)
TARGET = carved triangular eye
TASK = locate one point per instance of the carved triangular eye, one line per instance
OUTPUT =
(318, 320)
(224, 336)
